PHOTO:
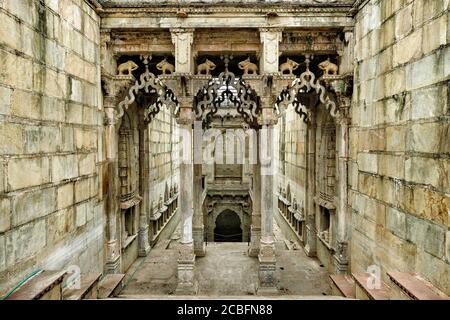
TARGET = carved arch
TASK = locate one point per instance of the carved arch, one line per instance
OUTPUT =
(227, 88)
(149, 83)
(306, 84)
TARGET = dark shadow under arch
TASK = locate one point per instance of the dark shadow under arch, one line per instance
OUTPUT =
(228, 227)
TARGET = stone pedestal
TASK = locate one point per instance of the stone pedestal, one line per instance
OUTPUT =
(112, 265)
(198, 234)
(186, 277)
(267, 270)
(310, 247)
(255, 238)
(340, 259)
(144, 247)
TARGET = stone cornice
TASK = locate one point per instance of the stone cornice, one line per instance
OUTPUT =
(231, 8)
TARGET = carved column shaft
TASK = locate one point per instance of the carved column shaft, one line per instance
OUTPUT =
(186, 259)
(144, 246)
(113, 250)
(310, 241)
(341, 256)
(266, 257)
(255, 235)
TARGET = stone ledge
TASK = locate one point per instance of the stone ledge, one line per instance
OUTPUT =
(88, 288)
(361, 280)
(38, 286)
(416, 287)
(108, 286)
(345, 285)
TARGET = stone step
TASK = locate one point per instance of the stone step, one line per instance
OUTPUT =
(88, 288)
(363, 290)
(343, 285)
(44, 286)
(411, 286)
(110, 285)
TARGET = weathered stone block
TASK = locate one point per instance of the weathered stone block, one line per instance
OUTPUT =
(391, 166)
(425, 71)
(423, 170)
(396, 222)
(403, 22)
(64, 167)
(82, 191)
(59, 225)
(368, 162)
(13, 134)
(395, 138)
(447, 246)
(80, 214)
(5, 214)
(65, 196)
(67, 139)
(2, 253)
(86, 163)
(435, 34)
(50, 139)
(408, 48)
(32, 141)
(32, 205)
(28, 172)
(435, 240)
(26, 104)
(430, 205)
(428, 103)
(5, 100)
(425, 137)
(25, 241)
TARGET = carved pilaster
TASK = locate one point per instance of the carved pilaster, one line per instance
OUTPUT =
(270, 40)
(182, 40)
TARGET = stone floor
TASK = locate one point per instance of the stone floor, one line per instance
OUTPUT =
(226, 270)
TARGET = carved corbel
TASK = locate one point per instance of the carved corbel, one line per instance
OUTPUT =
(114, 88)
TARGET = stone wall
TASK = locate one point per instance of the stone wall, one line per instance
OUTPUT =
(291, 167)
(164, 155)
(400, 146)
(50, 122)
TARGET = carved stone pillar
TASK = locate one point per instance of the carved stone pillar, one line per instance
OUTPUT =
(198, 228)
(311, 232)
(255, 228)
(267, 260)
(341, 256)
(186, 259)
(144, 246)
(114, 87)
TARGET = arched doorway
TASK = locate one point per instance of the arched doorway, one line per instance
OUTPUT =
(228, 227)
